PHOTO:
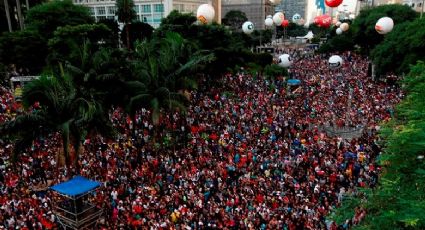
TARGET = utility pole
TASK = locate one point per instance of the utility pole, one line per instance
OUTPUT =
(6, 8)
(422, 11)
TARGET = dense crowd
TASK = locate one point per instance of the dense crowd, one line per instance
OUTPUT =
(252, 153)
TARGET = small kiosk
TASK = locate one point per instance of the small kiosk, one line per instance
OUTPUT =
(72, 206)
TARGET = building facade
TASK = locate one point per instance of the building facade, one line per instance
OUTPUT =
(149, 11)
(255, 10)
(384, 2)
(291, 7)
(417, 5)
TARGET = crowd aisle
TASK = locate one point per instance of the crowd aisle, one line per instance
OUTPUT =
(251, 155)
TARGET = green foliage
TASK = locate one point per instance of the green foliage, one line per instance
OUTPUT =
(273, 71)
(65, 43)
(318, 31)
(163, 68)
(47, 17)
(261, 37)
(401, 48)
(138, 31)
(399, 201)
(338, 43)
(234, 19)
(295, 30)
(125, 11)
(363, 26)
(112, 39)
(175, 18)
(25, 49)
(126, 14)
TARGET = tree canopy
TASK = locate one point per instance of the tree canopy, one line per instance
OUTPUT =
(399, 201)
(26, 50)
(234, 19)
(400, 48)
(363, 26)
(47, 17)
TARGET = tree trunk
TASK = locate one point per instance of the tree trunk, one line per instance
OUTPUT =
(20, 18)
(6, 9)
(127, 31)
(65, 141)
(27, 5)
(77, 151)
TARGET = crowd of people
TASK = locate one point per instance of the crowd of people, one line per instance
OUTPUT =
(250, 153)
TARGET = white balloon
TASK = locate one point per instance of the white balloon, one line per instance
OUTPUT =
(248, 27)
(275, 2)
(278, 18)
(205, 13)
(338, 23)
(285, 60)
(384, 25)
(335, 62)
(269, 16)
(296, 18)
(268, 22)
(344, 26)
(339, 31)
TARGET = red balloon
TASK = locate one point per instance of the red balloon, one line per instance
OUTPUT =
(325, 21)
(285, 23)
(333, 3)
(317, 20)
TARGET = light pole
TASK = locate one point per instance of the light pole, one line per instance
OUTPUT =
(20, 18)
(422, 11)
(6, 9)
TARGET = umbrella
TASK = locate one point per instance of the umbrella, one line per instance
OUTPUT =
(293, 82)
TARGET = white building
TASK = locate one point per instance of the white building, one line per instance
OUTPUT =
(149, 11)
(417, 5)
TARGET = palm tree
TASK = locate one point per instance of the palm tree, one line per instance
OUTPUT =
(126, 14)
(73, 103)
(164, 68)
(60, 110)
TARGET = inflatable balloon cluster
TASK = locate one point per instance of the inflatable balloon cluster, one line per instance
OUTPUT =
(333, 3)
(205, 14)
(248, 27)
(285, 60)
(335, 62)
(296, 18)
(342, 27)
(269, 21)
(278, 18)
(384, 25)
(323, 21)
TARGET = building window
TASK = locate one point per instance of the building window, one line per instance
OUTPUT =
(146, 8)
(157, 19)
(101, 11)
(112, 10)
(158, 8)
(146, 18)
